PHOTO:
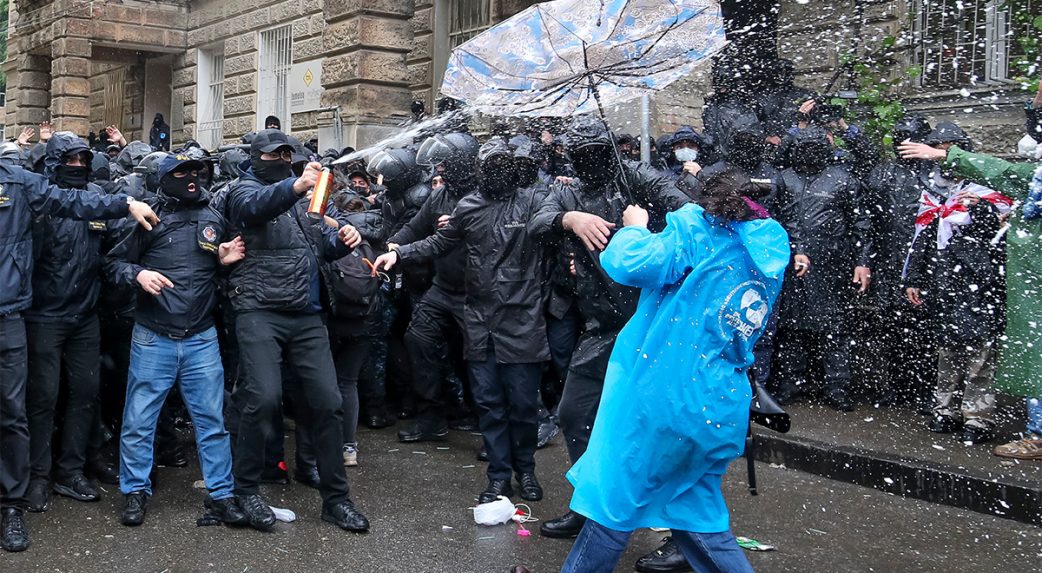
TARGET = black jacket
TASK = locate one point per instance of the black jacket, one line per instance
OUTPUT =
(450, 266)
(397, 207)
(964, 288)
(825, 219)
(24, 195)
(504, 299)
(183, 248)
(892, 196)
(780, 108)
(604, 304)
(286, 247)
(721, 114)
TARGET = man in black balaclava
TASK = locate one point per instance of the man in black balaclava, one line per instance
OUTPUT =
(438, 316)
(582, 215)
(732, 99)
(506, 340)
(159, 135)
(63, 332)
(822, 209)
(893, 190)
(781, 103)
(272, 122)
(280, 292)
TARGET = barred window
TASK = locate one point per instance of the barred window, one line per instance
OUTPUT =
(276, 59)
(210, 97)
(964, 42)
(468, 18)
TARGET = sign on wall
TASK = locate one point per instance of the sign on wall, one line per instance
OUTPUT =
(305, 86)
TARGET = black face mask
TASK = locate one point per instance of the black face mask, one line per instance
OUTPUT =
(747, 153)
(527, 172)
(595, 165)
(811, 158)
(177, 188)
(272, 170)
(499, 180)
(70, 177)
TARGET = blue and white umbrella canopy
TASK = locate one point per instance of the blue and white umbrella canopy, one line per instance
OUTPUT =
(559, 58)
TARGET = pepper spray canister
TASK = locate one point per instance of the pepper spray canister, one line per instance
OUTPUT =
(320, 195)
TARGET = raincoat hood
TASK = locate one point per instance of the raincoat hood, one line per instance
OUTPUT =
(811, 150)
(58, 146)
(10, 154)
(132, 154)
(688, 133)
(948, 132)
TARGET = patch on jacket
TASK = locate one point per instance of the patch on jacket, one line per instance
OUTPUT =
(208, 239)
(97, 226)
(745, 309)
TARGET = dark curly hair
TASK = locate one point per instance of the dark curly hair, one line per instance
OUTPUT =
(724, 195)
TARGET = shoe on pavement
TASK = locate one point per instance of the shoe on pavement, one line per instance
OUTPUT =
(173, 458)
(976, 434)
(378, 421)
(496, 488)
(530, 488)
(77, 487)
(39, 496)
(839, 400)
(307, 475)
(482, 455)
(423, 431)
(103, 471)
(227, 510)
(548, 430)
(134, 507)
(567, 526)
(1029, 448)
(14, 535)
(258, 512)
(350, 455)
(942, 424)
(345, 516)
(666, 559)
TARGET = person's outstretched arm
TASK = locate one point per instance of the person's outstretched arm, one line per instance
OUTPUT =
(639, 258)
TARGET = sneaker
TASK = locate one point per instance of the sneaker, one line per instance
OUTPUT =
(39, 496)
(942, 424)
(548, 430)
(77, 487)
(14, 536)
(976, 434)
(257, 511)
(1028, 448)
(345, 516)
(350, 455)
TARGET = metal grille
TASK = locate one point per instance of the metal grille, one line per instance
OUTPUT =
(963, 42)
(276, 59)
(468, 18)
(211, 102)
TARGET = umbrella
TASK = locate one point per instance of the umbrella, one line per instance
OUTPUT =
(570, 57)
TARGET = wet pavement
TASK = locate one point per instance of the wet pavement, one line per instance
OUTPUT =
(412, 493)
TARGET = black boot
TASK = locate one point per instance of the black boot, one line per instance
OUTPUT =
(39, 496)
(496, 488)
(839, 400)
(565, 527)
(307, 475)
(275, 475)
(103, 471)
(14, 536)
(530, 488)
(665, 559)
(423, 431)
(172, 458)
(134, 506)
(345, 516)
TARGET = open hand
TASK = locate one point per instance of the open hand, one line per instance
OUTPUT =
(385, 262)
(153, 282)
(591, 229)
(232, 252)
(143, 214)
(26, 135)
(911, 150)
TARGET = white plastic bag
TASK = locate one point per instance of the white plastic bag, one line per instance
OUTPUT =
(494, 513)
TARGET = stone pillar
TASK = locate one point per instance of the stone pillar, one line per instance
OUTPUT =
(27, 103)
(366, 43)
(70, 85)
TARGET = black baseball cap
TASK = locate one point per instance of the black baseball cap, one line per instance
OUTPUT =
(269, 140)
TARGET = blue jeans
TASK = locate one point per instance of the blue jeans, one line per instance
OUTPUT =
(598, 549)
(156, 364)
(1035, 416)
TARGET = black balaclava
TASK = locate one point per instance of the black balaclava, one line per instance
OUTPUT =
(272, 170)
(272, 120)
(178, 188)
(747, 151)
(595, 164)
(71, 177)
(498, 176)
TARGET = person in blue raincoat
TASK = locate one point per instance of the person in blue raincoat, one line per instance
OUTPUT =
(675, 409)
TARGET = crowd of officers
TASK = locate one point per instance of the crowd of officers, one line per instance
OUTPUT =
(449, 283)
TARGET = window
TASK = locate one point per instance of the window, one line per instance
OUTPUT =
(209, 119)
(467, 18)
(276, 59)
(963, 42)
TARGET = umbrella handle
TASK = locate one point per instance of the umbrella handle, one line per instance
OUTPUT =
(624, 190)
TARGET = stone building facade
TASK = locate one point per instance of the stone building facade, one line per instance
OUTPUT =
(346, 71)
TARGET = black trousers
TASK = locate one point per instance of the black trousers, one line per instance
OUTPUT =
(14, 427)
(799, 351)
(350, 355)
(437, 318)
(263, 338)
(507, 397)
(582, 389)
(56, 347)
(562, 335)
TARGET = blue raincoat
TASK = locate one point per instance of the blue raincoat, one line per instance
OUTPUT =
(675, 407)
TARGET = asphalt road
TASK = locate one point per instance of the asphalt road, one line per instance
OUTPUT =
(412, 493)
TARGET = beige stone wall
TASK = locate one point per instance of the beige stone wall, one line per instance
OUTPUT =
(237, 24)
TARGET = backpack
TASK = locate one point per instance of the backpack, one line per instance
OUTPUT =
(354, 288)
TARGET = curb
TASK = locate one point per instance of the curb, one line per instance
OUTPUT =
(1008, 498)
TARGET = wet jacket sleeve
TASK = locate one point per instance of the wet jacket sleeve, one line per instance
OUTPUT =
(1010, 179)
(418, 227)
(1033, 121)
(252, 204)
(545, 224)
(639, 258)
(121, 263)
(864, 152)
(82, 205)
(436, 245)
(658, 190)
(916, 274)
(862, 223)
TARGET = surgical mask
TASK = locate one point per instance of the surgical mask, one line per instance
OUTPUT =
(685, 154)
(71, 177)
(272, 170)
